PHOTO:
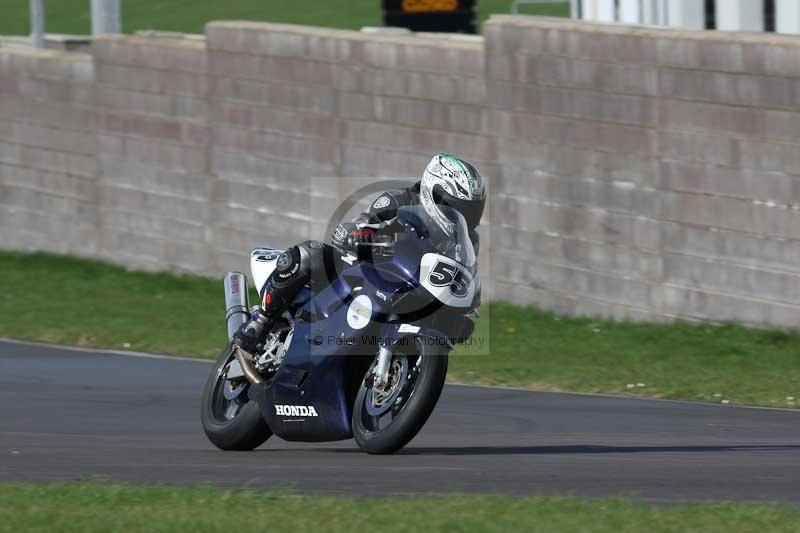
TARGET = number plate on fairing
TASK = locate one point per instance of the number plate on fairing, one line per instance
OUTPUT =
(447, 280)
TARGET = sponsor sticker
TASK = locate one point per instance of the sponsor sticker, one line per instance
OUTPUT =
(408, 328)
(264, 255)
(268, 257)
(381, 202)
(360, 312)
(295, 410)
(339, 233)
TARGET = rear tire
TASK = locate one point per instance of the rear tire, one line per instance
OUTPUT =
(412, 414)
(246, 430)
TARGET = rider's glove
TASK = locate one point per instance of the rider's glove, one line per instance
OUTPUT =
(348, 234)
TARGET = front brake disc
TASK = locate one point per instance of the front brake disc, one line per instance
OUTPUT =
(379, 402)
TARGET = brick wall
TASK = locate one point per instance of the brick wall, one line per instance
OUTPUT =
(634, 173)
(647, 173)
(152, 144)
(292, 106)
(275, 126)
(48, 178)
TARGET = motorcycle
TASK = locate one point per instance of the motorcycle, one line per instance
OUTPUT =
(365, 357)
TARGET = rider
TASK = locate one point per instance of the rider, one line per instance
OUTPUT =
(447, 180)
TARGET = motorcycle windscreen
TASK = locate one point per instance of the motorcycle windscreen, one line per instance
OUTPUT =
(454, 242)
(448, 271)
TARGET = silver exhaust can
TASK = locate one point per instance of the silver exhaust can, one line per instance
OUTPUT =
(237, 308)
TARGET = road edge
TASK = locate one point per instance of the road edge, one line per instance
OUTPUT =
(146, 355)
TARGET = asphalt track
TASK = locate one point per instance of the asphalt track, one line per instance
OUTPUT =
(68, 415)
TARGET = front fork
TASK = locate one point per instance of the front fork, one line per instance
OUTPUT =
(380, 374)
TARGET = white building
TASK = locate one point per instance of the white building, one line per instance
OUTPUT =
(782, 16)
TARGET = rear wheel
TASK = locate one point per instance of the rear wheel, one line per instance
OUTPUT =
(230, 420)
(386, 418)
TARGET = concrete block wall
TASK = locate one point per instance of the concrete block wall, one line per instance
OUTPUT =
(48, 177)
(274, 121)
(153, 139)
(633, 172)
(292, 106)
(646, 173)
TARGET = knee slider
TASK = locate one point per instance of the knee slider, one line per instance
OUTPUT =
(291, 269)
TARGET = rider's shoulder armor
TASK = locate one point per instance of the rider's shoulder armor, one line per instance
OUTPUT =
(385, 206)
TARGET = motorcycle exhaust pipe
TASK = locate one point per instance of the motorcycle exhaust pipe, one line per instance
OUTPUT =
(247, 367)
(237, 308)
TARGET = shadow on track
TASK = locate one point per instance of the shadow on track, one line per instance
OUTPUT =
(575, 449)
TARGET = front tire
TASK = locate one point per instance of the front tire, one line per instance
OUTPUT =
(422, 376)
(231, 423)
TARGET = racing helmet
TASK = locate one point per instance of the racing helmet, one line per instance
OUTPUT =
(450, 181)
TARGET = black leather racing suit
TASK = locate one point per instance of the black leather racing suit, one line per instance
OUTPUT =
(305, 263)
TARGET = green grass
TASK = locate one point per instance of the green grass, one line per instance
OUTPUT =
(73, 16)
(92, 507)
(87, 303)
(728, 363)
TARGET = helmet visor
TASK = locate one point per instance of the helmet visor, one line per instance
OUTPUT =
(472, 210)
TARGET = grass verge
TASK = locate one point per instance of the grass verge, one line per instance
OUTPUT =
(73, 16)
(88, 303)
(91, 507)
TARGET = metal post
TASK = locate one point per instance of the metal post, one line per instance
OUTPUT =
(630, 11)
(37, 22)
(575, 9)
(106, 17)
(687, 14)
(599, 10)
(663, 13)
(787, 16)
(649, 12)
(740, 15)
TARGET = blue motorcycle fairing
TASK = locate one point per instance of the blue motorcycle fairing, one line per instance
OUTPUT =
(311, 396)
(326, 362)
(460, 328)
(313, 381)
(321, 370)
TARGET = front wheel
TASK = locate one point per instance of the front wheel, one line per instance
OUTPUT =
(385, 419)
(230, 420)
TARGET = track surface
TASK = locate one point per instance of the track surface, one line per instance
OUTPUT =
(67, 415)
